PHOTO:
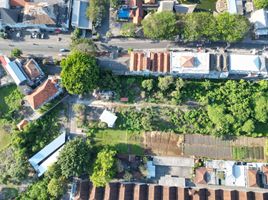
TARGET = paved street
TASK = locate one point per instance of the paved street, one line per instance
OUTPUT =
(45, 47)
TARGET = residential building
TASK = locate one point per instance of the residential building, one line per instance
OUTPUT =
(247, 64)
(18, 3)
(13, 70)
(259, 18)
(8, 17)
(32, 70)
(79, 18)
(167, 5)
(84, 190)
(184, 8)
(48, 155)
(235, 6)
(44, 93)
(4, 4)
(231, 173)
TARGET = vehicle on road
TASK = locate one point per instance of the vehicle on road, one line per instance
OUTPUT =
(64, 50)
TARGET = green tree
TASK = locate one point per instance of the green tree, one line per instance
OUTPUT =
(37, 191)
(16, 53)
(104, 168)
(232, 28)
(76, 34)
(148, 84)
(114, 3)
(56, 187)
(83, 45)
(160, 26)
(199, 26)
(164, 83)
(96, 10)
(128, 29)
(259, 4)
(74, 158)
(248, 126)
(13, 100)
(261, 108)
(80, 73)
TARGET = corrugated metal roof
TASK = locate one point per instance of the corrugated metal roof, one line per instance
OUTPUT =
(48, 162)
(79, 18)
(47, 150)
(15, 72)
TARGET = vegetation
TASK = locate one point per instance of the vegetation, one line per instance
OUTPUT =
(114, 3)
(259, 4)
(15, 53)
(160, 26)
(104, 168)
(80, 73)
(96, 11)
(83, 45)
(224, 27)
(74, 159)
(232, 28)
(128, 30)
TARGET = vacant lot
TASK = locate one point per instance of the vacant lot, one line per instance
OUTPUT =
(4, 92)
(125, 142)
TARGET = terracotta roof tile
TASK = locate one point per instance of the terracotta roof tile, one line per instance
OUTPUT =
(42, 94)
(18, 2)
(140, 61)
(169, 193)
(31, 69)
(230, 195)
(252, 178)
(187, 61)
(3, 61)
(215, 194)
(97, 193)
(200, 175)
(126, 191)
(160, 62)
(153, 57)
(140, 192)
(155, 192)
(146, 63)
(133, 61)
(166, 62)
(111, 191)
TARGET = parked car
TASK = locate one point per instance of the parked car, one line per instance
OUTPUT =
(64, 50)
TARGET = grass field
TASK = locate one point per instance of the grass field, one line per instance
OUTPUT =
(123, 141)
(209, 5)
(5, 91)
(5, 138)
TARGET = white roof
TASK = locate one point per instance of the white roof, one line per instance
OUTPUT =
(4, 4)
(169, 180)
(108, 117)
(235, 174)
(247, 63)
(173, 161)
(201, 63)
(48, 162)
(259, 18)
(47, 150)
(166, 6)
(235, 7)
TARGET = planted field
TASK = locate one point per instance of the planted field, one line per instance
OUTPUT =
(248, 153)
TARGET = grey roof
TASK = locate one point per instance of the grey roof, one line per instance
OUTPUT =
(16, 73)
(79, 18)
(47, 151)
(9, 16)
(184, 8)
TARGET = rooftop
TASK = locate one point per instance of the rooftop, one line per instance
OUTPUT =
(79, 18)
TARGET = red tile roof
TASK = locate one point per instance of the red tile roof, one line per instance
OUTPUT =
(18, 2)
(133, 61)
(160, 62)
(3, 61)
(140, 61)
(166, 62)
(31, 69)
(42, 94)
(153, 57)
(252, 178)
(187, 61)
(200, 175)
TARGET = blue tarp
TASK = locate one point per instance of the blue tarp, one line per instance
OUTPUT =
(123, 13)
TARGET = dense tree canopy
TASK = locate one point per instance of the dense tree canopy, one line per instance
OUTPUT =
(104, 168)
(260, 4)
(232, 28)
(83, 45)
(160, 26)
(16, 53)
(74, 158)
(80, 73)
(96, 10)
(198, 26)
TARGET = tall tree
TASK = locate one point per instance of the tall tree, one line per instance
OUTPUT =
(259, 4)
(104, 168)
(80, 73)
(198, 26)
(160, 26)
(232, 28)
(74, 158)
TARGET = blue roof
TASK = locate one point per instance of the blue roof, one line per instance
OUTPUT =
(123, 13)
(47, 151)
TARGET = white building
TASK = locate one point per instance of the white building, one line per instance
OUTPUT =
(260, 20)
(247, 64)
(4, 4)
(109, 118)
(235, 6)
(189, 62)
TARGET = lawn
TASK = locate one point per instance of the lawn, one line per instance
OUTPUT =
(5, 138)
(125, 142)
(204, 5)
(4, 92)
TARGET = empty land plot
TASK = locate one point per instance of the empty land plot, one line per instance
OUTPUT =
(162, 144)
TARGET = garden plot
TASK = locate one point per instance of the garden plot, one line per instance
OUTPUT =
(161, 143)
